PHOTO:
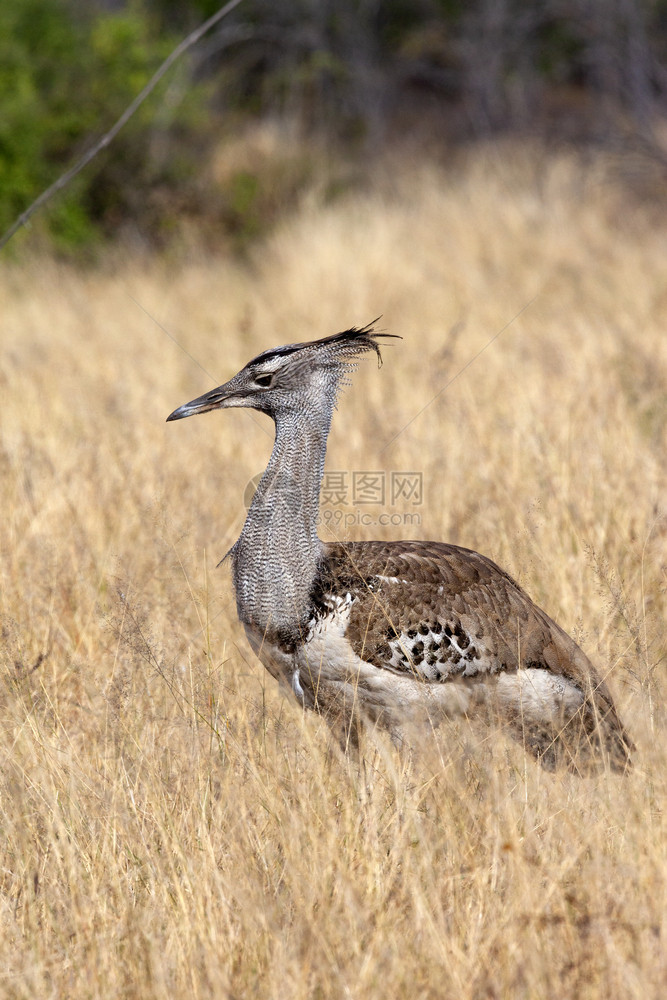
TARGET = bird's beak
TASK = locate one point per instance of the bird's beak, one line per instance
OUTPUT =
(212, 400)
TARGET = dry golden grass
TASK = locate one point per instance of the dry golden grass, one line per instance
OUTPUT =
(171, 825)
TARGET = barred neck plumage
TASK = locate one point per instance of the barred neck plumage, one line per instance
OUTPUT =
(276, 556)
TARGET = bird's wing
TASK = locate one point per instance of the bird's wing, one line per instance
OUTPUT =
(440, 611)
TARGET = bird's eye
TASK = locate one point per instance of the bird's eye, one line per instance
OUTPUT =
(264, 380)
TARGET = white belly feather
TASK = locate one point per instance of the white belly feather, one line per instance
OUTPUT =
(325, 672)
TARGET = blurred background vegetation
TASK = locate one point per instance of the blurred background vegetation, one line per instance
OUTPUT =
(283, 95)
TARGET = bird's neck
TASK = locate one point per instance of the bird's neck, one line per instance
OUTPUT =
(276, 557)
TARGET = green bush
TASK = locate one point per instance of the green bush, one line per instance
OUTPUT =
(65, 77)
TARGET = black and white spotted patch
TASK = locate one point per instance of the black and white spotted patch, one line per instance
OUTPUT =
(329, 606)
(436, 651)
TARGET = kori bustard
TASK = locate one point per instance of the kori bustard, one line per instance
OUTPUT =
(398, 633)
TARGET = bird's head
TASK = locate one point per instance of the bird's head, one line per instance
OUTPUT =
(291, 378)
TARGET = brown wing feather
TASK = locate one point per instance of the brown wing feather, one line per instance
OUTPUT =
(472, 616)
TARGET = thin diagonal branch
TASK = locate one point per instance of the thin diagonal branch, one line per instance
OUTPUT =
(109, 136)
